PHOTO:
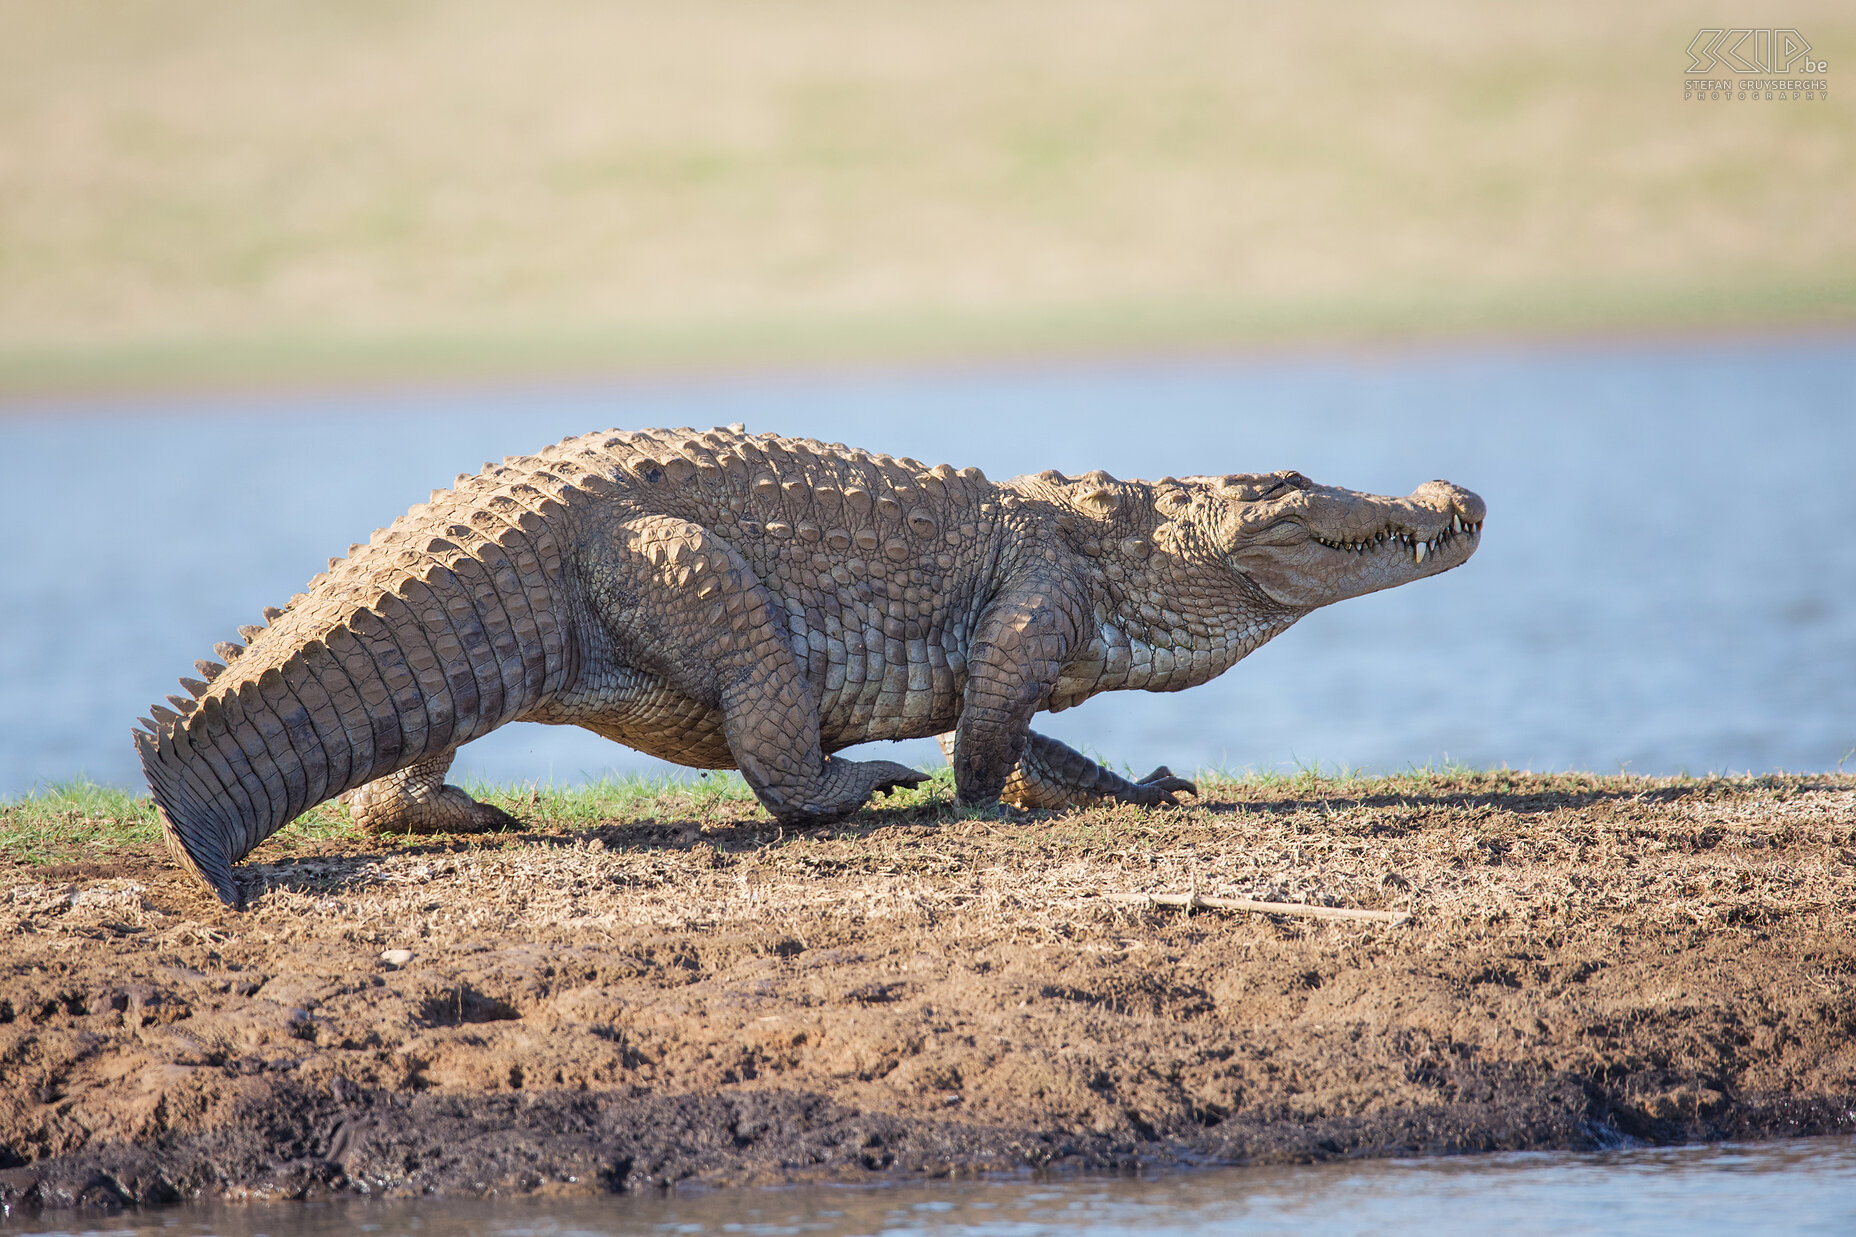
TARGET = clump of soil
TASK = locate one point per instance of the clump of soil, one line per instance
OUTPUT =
(700, 995)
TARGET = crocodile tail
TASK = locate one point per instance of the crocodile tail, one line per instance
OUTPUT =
(313, 709)
(246, 760)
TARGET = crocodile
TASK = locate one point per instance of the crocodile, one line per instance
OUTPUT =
(732, 601)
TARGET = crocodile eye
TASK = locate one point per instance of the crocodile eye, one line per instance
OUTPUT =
(1283, 484)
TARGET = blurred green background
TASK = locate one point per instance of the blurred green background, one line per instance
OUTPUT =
(205, 193)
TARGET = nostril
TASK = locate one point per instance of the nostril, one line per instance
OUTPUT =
(1462, 503)
(1469, 507)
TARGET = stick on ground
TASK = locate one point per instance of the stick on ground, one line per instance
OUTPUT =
(1195, 901)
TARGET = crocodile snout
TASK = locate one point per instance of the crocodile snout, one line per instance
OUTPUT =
(1466, 505)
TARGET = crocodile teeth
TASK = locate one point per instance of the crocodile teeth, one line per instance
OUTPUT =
(1418, 554)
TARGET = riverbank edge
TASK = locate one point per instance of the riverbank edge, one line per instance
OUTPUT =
(63, 370)
(297, 1146)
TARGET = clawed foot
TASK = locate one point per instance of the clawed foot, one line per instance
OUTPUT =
(1159, 788)
(891, 776)
(846, 787)
(446, 810)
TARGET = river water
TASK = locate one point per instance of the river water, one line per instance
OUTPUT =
(1667, 580)
(1807, 1186)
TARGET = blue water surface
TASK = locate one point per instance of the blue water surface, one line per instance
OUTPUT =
(1805, 1186)
(1667, 580)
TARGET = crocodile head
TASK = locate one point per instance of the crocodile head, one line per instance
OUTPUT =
(1306, 545)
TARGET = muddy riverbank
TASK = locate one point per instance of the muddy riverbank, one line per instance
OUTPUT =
(691, 994)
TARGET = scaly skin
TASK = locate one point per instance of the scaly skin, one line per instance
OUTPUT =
(728, 601)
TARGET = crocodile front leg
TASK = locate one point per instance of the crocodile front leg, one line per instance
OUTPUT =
(1019, 645)
(416, 800)
(1053, 776)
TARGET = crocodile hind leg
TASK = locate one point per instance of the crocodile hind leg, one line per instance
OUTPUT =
(417, 800)
(1052, 776)
(684, 606)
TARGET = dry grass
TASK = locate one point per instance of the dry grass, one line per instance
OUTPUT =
(1529, 851)
(194, 189)
(1539, 855)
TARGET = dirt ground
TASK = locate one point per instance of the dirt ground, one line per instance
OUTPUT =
(697, 996)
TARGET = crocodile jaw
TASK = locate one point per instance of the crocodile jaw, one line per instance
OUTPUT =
(1330, 544)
